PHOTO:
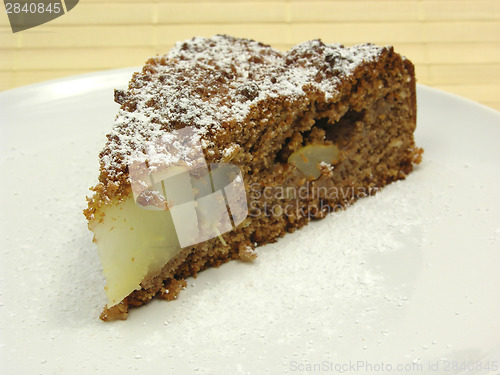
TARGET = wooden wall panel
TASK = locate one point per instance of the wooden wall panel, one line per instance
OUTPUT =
(455, 44)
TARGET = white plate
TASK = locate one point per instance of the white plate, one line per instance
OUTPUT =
(409, 277)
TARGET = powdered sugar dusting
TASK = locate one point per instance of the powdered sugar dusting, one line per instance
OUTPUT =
(213, 83)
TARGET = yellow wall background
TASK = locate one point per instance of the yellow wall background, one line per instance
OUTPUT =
(455, 44)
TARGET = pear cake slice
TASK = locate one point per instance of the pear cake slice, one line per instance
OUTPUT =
(306, 132)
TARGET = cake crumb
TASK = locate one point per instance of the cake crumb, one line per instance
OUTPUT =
(247, 253)
(171, 288)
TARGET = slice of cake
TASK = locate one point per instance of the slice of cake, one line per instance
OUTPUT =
(224, 144)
